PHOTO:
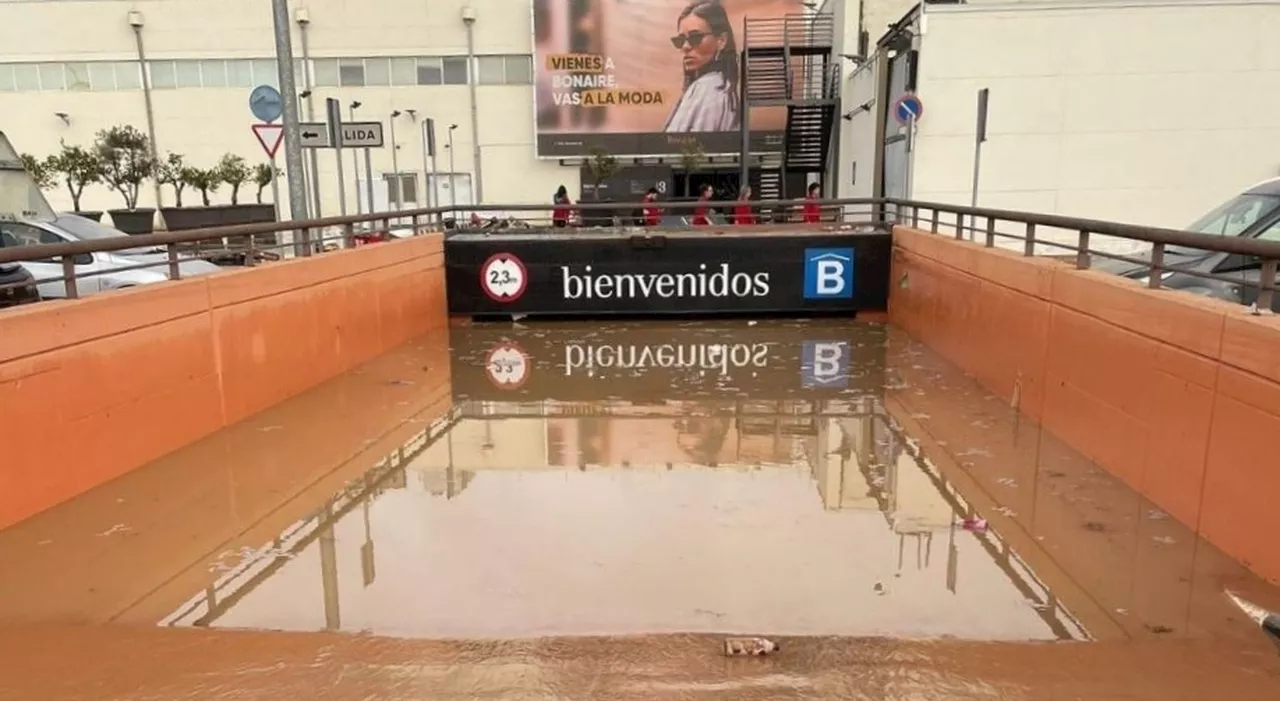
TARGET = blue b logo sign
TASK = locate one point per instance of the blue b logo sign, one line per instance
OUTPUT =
(828, 273)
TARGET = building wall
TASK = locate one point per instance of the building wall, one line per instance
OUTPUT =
(1144, 113)
(83, 55)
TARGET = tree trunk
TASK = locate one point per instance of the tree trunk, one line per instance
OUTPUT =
(75, 196)
(235, 193)
(204, 195)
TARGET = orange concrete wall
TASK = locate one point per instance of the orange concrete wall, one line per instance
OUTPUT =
(1177, 395)
(93, 388)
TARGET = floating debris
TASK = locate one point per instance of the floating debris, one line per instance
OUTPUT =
(745, 647)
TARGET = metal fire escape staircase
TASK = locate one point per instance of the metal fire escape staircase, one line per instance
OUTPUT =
(787, 62)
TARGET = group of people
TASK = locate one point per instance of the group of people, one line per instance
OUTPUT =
(743, 212)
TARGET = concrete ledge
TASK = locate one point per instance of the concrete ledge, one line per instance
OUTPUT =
(1177, 395)
(91, 389)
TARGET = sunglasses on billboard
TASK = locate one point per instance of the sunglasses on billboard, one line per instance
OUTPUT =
(693, 39)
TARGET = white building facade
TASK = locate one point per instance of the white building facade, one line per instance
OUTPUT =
(1143, 112)
(71, 67)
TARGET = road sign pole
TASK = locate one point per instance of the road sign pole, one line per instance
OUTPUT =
(275, 187)
(334, 110)
(395, 167)
(980, 136)
(289, 93)
(368, 181)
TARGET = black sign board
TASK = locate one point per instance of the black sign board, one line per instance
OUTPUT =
(663, 361)
(613, 273)
(629, 184)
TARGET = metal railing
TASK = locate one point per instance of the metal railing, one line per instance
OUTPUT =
(793, 31)
(1027, 232)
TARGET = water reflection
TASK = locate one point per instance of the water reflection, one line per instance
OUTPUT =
(789, 517)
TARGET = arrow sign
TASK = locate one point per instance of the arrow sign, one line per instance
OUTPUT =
(270, 136)
(314, 135)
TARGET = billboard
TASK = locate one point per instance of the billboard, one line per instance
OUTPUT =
(646, 77)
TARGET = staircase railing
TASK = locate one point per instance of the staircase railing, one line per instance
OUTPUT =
(796, 31)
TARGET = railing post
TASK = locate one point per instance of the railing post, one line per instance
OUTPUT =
(1156, 270)
(386, 228)
(991, 232)
(348, 236)
(915, 217)
(416, 223)
(175, 270)
(1266, 281)
(250, 256)
(1029, 243)
(933, 226)
(959, 226)
(306, 242)
(69, 277)
(1083, 261)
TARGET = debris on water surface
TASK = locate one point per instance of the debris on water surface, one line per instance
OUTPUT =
(744, 647)
(977, 525)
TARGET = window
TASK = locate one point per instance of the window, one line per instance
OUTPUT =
(102, 76)
(350, 72)
(51, 77)
(504, 70)
(454, 70)
(163, 75)
(1231, 218)
(519, 70)
(77, 75)
(265, 73)
(404, 71)
(377, 71)
(6, 79)
(128, 77)
(1271, 233)
(213, 74)
(326, 72)
(26, 77)
(18, 234)
(408, 193)
(240, 74)
(188, 73)
(429, 72)
(491, 70)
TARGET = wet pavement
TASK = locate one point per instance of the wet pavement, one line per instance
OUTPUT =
(578, 510)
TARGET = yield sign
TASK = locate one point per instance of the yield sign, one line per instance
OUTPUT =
(270, 136)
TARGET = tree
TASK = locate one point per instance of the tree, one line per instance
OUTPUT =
(602, 165)
(170, 172)
(233, 171)
(692, 156)
(41, 171)
(206, 180)
(263, 175)
(79, 167)
(126, 159)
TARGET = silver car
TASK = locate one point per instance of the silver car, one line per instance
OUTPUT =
(95, 272)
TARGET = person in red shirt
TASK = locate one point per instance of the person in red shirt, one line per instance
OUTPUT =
(812, 212)
(743, 213)
(563, 206)
(702, 213)
(652, 212)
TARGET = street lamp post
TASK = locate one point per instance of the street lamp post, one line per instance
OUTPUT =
(355, 161)
(395, 163)
(453, 190)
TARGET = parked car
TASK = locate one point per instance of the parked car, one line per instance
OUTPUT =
(16, 286)
(111, 267)
(1254, 213)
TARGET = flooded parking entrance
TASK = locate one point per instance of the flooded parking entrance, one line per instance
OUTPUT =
(550, 492)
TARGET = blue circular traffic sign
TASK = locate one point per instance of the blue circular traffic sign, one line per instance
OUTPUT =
(908, 107)
(265, 103)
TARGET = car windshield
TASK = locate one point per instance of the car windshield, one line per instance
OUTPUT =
(86, 229)
(1232, 218)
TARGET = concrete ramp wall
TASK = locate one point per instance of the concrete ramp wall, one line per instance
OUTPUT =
(1177, 395)
(91, 389)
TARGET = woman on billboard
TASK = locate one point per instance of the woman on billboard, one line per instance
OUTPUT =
(710, 98)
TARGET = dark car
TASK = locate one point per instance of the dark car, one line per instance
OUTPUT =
(1253, 214)
(16, 286)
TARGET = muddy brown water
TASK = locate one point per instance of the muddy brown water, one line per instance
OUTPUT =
(582, 511)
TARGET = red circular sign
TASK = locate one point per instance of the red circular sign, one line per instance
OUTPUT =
(504, 278)
(508, 366)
